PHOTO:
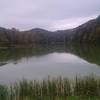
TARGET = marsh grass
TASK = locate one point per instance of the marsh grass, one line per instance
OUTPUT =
(81, 88)
(3, 92)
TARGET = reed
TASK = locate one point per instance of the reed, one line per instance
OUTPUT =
(3, 92)
(84, 88)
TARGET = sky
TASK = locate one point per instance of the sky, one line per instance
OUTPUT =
(47, 14)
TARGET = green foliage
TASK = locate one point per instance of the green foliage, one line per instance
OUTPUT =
(81, 88)
(97, 35)
(3, 92)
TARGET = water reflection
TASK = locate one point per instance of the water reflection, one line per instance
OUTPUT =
(90, 53)
(55, 60)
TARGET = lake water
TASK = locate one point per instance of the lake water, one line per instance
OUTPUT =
(42, 61)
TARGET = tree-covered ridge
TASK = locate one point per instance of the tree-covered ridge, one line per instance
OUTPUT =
(88, 32)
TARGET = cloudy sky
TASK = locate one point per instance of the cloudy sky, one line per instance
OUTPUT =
(47, 14)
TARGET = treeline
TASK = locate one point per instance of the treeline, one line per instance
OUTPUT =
(88, 32)
(35, 36)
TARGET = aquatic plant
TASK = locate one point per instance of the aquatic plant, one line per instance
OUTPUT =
(86, 88)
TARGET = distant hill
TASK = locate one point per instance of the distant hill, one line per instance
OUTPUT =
(88, 32)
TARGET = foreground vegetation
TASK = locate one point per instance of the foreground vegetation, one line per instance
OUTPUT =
(80, 88)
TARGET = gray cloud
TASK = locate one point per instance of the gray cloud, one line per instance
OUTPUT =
(47, 14)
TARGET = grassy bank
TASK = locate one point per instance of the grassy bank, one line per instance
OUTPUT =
(80, 88)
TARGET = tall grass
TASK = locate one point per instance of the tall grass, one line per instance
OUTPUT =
(3, 92)
(86, 88)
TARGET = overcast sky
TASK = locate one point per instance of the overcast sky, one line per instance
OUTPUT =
(47, 14)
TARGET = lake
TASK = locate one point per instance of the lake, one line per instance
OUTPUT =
(54, 60)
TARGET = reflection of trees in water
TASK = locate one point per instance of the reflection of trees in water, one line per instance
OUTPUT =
(88, 52)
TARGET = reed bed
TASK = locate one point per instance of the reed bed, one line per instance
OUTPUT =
(80, 88)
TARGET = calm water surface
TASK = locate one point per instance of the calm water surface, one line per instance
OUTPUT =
(53, 60)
